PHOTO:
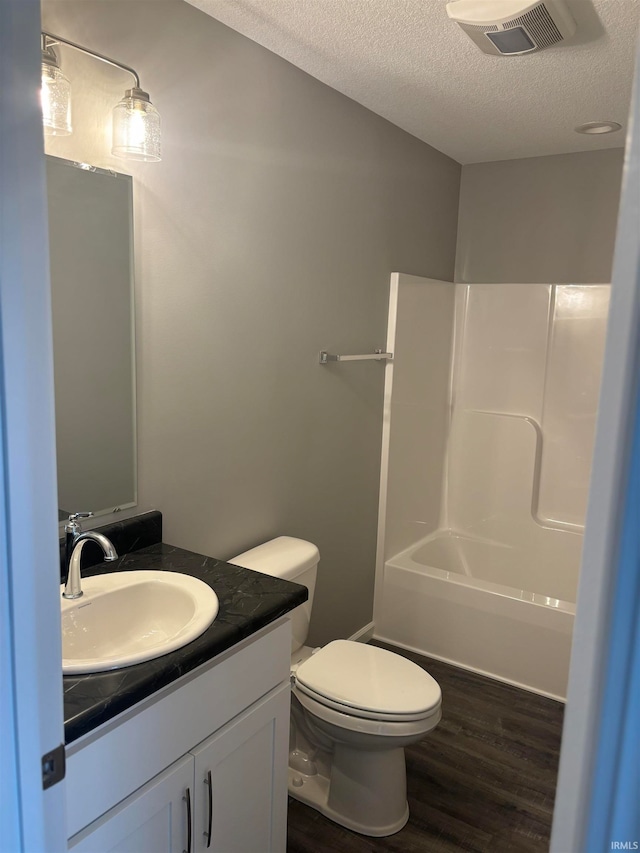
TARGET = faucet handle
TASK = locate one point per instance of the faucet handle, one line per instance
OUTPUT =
(73, 522)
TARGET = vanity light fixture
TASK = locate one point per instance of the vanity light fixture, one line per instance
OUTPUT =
(136, 122)
(55, 93)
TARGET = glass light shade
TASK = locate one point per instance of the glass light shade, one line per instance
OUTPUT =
(56, 101)
(136, 128)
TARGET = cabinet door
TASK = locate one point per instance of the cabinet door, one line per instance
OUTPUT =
(241, 781)
(154, 819)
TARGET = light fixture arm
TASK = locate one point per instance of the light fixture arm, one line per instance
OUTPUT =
(49, 39)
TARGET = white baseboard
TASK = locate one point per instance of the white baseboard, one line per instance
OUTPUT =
(364, 634)
(483, 672)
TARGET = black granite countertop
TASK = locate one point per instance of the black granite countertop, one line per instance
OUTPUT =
(248, 601)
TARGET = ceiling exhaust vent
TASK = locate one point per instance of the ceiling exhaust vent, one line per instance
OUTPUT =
(513, 27)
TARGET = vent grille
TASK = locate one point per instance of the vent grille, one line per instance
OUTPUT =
(481, 28)
(539, 23)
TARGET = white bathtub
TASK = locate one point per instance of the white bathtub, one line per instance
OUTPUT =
(447, 597)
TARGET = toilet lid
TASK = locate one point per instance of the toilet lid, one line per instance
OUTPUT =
(368, 680)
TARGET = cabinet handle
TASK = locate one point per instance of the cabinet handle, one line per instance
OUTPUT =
(209, 785)
(187, 799)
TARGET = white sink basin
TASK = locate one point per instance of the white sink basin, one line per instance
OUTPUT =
(128, 617)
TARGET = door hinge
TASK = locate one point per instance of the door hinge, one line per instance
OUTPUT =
(53, 767)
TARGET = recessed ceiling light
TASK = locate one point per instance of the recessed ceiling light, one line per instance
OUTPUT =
(599, 127)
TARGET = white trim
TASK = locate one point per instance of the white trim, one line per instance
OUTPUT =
(378, 590)
(364, 634)
(30, 573)
(594, 616)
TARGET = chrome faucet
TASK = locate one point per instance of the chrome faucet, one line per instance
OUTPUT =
(74, 543)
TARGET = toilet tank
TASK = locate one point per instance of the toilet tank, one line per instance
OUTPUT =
(292, 560)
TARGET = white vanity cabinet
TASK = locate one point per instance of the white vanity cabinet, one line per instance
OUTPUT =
(203, 761)
(155, 818)
(239, 807)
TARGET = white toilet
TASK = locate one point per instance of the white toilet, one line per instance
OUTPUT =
(354, 709)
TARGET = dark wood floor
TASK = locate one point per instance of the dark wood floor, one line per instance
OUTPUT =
(484, 780)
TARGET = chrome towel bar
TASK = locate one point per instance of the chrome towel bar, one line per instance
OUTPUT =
(378, 355)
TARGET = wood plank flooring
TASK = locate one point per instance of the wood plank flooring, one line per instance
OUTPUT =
(484, 780)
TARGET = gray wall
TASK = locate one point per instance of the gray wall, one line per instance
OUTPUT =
(541, 219)
(267, 233)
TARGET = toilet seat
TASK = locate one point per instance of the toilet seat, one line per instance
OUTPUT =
(388, 729)
(368, 683)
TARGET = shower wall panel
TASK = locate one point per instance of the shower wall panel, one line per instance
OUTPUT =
(419, 409)
(526, 383)
(501, 361)
(574, 365)
(492, 416)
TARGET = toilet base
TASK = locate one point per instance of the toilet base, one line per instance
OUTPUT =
(366, 794)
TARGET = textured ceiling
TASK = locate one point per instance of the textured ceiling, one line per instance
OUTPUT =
(406, 61)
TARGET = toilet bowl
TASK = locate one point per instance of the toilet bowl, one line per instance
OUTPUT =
(354, 709)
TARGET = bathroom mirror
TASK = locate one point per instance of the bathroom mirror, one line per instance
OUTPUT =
(91, 251)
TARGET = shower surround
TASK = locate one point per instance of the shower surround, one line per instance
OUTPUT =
(490, 410)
